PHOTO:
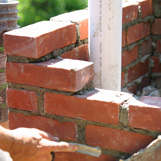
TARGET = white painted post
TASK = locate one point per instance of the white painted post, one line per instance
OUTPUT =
(105, 42)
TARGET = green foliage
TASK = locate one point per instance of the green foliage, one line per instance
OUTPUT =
(32, 11)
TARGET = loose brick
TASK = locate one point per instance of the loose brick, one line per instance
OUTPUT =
(146, 47)
(3, 59)
(138, 70)
(98, 105)
(156, 26)
(123, 38)
(21, 99)
(63, 130)
(115, 139)
(157, 65)
(82, 157)
(130, 11)
(66, 75)
(79, 17)
(39, 39)
(137, 32)
(145, 114)
(79, 53)
(129, 56)
(158, 49)
(146, 8)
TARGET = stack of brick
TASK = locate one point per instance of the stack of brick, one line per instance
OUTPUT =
(56, 94)
(137, 44)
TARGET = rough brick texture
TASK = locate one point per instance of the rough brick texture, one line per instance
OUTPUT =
(145, 114)
(25, 100)
(38, 39)
(79, 53)
(63, 130)
(94, 106)
(65, 75)
(130, 12)
(129, 56)
(135, 71)
(158, 49)
(156, 65)
(116, 139)
(156, 27)
(80, 18)
(138, 32)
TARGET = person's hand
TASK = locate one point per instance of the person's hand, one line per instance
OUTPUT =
(33, 145)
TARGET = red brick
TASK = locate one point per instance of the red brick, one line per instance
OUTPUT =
(146, 47)
(3, 59)
(138, 70)
(79, 53)
(97, 105)
(79, 17)
(2, 78)
(130, 12)
(123, 38)
(39, 39)
(146, 7)
(122, 79)
(137, 32)
(65, 75)
(157, 65)
(25, 100)
(145, 115)
(115, 139)
(129, 56)
(63, 130)
(158, 49)
(156, 26)
(82, 157)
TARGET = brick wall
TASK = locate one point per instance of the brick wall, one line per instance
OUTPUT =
(50, 83)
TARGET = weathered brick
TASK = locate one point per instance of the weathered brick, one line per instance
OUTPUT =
(21, 99)
(79, 17)
(157, 65)
(146, 7)
(156, 26)
(39, 39)
(130, 11)
(2, 60)
(137, 32)
(138, 70)
(146, 47)
(115, 139)
(65, 75)
(145, 114)
(97, 105)
(79, 53)
(129, 56)
(63, 130)
(82, 157)
(123, 38)
(158, 49)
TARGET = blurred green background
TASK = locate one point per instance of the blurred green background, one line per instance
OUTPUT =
(32, 11)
